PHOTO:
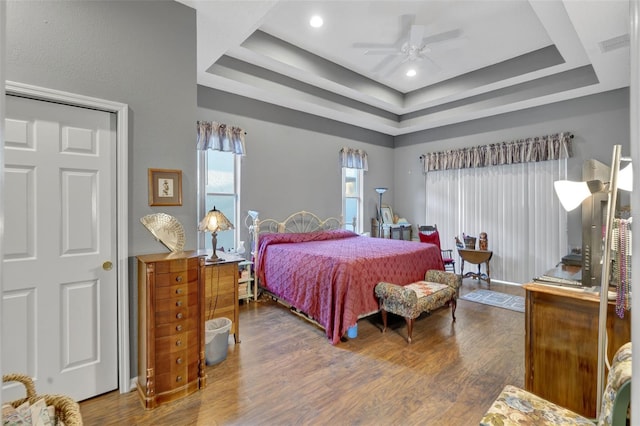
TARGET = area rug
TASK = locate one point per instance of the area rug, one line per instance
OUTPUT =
(493, 298)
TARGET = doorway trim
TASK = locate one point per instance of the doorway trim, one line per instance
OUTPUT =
(122, 220)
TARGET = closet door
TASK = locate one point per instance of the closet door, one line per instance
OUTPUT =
(60, 288)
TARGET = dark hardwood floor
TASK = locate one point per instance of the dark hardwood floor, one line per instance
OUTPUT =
(285, 372)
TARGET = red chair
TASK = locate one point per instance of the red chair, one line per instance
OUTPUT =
(430, 234)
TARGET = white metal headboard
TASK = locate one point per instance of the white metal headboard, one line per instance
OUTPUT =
(300, 222)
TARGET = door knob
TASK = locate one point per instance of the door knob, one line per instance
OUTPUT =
(107, 266)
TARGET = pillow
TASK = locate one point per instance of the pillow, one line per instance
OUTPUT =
(425, 288)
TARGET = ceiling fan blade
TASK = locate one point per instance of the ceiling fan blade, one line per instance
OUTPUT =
(398, 61)
(391, 61)
(372, 46)
(406, 22)
(416, 35)
(431, 66)
(441, 37)
(382, 52)
(454, 43)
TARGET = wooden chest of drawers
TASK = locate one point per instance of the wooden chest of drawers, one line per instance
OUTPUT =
(171, 358)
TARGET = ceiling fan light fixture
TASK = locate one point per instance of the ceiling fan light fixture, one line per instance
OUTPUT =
(411, 73)
(316, 21)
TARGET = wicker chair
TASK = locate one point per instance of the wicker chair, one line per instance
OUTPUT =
(67, 410)
(515, 406)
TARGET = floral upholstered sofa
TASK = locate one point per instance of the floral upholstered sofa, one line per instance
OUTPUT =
(515, 406)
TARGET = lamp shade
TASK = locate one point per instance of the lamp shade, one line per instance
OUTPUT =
(625, 178)
(571, 194)
(215, 221)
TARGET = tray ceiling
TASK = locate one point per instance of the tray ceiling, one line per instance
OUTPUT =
(475, 58)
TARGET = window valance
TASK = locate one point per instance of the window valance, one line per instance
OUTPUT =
(541, 148)
(354, 158)
(220, 137)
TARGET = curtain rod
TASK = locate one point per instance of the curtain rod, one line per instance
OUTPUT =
(422, 156)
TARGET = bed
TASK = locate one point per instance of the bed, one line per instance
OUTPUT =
(329, 273)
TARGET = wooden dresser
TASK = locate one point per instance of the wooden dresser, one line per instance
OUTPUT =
(561, 344)
(171, 356)
(221, 292)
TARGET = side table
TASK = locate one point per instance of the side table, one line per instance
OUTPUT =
(477, 257)
(221, 291)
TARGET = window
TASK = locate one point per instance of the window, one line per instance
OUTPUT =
(352, 198)
(514, 204)
(219, 186)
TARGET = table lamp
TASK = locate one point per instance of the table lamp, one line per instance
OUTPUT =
(213, 222)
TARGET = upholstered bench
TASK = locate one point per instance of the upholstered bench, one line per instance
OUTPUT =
(409, 301)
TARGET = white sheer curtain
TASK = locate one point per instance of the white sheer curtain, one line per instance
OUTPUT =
(515, 204)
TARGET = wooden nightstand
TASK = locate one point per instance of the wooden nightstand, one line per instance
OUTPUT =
(221, 292)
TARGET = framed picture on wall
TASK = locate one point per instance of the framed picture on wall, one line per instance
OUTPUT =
(165, 187)
(387, 214)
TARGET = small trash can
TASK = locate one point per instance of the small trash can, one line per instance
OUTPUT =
(216, 339)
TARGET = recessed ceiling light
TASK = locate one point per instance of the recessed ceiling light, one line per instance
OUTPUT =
(316, 21)
(411, 73)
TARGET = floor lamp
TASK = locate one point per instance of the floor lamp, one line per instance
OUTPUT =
(253, 214)
(604, 278)
(571, 194)
(380, 191)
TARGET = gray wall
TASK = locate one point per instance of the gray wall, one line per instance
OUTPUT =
(141, 53)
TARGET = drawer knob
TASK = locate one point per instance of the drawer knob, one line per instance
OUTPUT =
(178, 291)
(178, 342)
(179, 361)
(179, 278)
(179, 379)
(178, 328)
(179, 315)
(179, 303)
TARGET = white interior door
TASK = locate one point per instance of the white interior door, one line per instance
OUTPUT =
(59, 316)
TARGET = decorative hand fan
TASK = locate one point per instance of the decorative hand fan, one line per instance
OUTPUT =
(166, 229)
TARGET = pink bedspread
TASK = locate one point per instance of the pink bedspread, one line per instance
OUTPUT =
(331, 275)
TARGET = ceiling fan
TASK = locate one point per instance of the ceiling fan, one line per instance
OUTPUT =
(412, 46)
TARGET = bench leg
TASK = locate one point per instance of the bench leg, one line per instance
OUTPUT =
(409, 328)
(384, 320)
(454, 304)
